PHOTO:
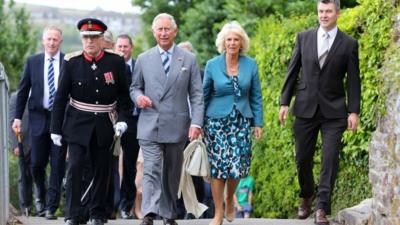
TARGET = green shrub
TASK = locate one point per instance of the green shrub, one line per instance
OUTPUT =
(273, 166)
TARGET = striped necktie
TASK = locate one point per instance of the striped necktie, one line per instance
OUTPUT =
(50, 82)
(166, 61)
(324, 49)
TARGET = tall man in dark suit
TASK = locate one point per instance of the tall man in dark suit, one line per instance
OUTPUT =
(325, 56)
(129, 142)
(92, 92)
(38, 86)
(164, 77)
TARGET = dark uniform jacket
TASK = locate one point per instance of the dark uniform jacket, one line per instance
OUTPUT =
(323, 87)
(94, 81)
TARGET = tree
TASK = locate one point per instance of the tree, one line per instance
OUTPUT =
(201, 26)
(17, 40)
(199, 21)
(153, 7)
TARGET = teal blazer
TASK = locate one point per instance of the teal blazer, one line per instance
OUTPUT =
(219, 96)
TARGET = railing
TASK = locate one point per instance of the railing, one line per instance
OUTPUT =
(4, 123)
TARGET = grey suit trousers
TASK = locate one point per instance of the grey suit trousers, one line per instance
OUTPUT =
(162, 170)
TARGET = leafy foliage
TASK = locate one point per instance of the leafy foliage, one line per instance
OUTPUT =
(151, 8)
(273, 165)
(17, 39)
(201, 26)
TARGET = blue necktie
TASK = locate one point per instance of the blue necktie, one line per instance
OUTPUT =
(50, 81)
(166, 62)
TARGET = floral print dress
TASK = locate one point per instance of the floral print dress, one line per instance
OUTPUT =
(228, 143)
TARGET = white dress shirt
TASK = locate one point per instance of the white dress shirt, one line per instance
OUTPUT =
(56, 65)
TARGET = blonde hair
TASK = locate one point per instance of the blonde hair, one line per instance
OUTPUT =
(233, 27)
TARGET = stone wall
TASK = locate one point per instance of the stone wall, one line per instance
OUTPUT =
(384, 151)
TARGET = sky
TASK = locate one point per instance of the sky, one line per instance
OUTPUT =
(107, 5)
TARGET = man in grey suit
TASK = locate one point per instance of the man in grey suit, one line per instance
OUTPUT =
(25, 183)
(163, 79)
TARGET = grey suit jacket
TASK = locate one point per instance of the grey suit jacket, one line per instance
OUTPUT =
(168, 120)
(26, 136)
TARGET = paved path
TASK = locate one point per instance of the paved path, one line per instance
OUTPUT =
(42, 221)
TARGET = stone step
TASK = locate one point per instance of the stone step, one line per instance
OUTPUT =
(60, 221)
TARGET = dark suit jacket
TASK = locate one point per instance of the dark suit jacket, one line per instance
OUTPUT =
(32, 81)
(323, 87)
(132, 123)
(26, 137)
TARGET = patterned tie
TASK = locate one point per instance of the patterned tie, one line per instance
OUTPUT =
(324, 49)
(50, 81)
(166, 62)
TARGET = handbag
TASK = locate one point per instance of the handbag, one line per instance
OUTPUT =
(198, 162)
(195, 163)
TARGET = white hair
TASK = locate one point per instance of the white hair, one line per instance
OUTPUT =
(232, 27)
(164, 15)
(52, 27)
(186, 45)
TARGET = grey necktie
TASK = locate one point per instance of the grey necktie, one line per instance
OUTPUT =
(324, 49)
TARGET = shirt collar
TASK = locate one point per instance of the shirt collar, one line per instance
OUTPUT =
(170, 50)
(332, 33)
(129, 62)
(56, 57)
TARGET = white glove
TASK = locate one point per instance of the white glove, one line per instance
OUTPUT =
(120, 128)
(56, 139)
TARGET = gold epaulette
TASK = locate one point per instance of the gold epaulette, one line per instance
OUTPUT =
(71, 55)
(114, 52)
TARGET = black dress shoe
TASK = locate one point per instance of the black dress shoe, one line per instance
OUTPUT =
(147, 220)
(71, 222)
(50, 216)
(112, 215)
(321, 218)
(126, 215)
(170, 222)
(96, 222)
(304, 210)
(40, 209)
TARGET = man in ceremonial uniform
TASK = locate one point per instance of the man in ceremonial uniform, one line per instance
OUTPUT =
(92, 94)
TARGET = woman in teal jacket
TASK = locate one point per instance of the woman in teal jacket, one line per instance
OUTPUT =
(233, 104)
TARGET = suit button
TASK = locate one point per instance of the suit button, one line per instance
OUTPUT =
(97, 102)
(96, 78)
(97, 90)
(95, 113)
(79, 83)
